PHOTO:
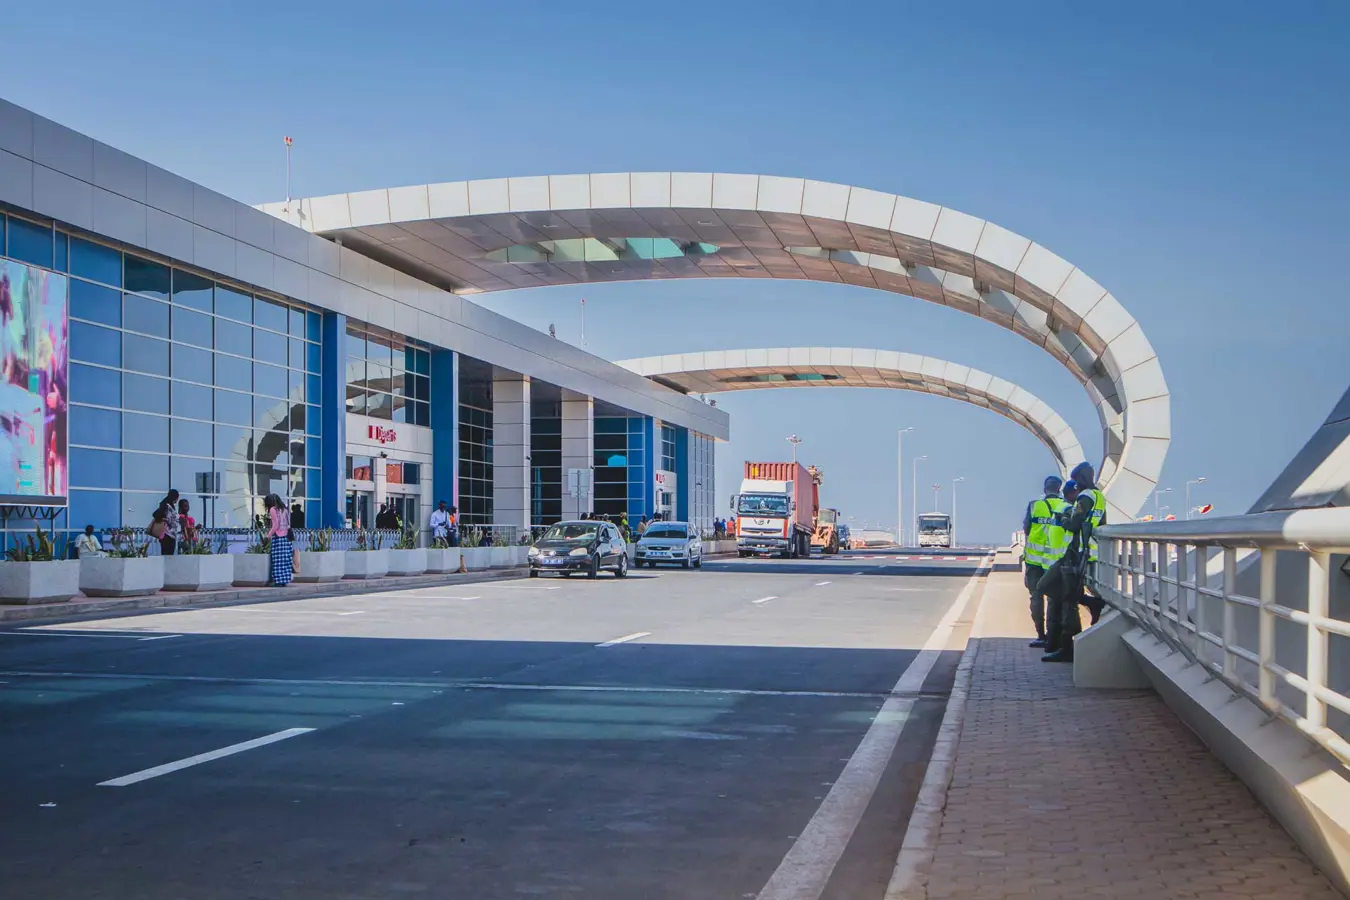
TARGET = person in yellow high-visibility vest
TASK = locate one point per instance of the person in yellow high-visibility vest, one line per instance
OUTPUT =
(1065, 580)
(1038, 555)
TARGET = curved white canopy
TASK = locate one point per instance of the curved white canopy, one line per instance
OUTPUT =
(715, 371)
(505, 233)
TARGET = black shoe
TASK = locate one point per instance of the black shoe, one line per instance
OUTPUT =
(1039, 642)
(1064, 656)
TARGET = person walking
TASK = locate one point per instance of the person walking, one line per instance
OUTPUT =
(642, 526)
(173, 529)
(440, 523)
(1038, 556)
(279, 530)
(1063, 583)
(187, 524)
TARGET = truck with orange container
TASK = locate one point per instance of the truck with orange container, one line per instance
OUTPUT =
(776, 510)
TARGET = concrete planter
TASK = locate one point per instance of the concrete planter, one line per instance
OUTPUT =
(330, 565)
(39, 582)
(191, 572)
(407, 562)
(252, 569)
(112, 576)
(520, 556)
(366, 563)
(443, 561)
(476, 558)
(499, 557)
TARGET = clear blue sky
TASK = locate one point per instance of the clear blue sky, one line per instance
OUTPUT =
(1189, 156)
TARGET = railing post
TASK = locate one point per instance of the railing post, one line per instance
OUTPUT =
(1266, 649)
(1319, 607)
(1201, 583)
(1229, 619)
(1183, 595)
(1146, 565)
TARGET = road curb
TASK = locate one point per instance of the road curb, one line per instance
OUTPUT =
(163, 599)
(909, 879)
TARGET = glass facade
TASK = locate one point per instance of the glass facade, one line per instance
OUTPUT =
(698, 482)
(475, 447)
(387, 377)
(667, 448)
(620, 466)
(177, 380)
(546, 475)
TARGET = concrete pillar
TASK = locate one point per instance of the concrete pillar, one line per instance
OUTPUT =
(578, 450)
(333, 413)
(444, 426)
(510, 449)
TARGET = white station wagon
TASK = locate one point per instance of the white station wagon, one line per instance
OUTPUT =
(670, 542)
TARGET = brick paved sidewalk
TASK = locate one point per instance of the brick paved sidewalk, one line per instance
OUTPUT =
(1061, 792)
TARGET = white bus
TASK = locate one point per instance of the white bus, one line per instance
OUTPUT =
(935, 530)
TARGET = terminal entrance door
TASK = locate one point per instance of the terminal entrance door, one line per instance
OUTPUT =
(407, 508)
(359, 514)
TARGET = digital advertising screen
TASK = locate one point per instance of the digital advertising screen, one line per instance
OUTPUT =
(34, 342)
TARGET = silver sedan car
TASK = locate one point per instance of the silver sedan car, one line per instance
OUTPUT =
(670, 542)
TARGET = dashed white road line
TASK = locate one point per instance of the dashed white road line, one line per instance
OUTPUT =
(821, 583)
(146, 774)
(625, 639)
(764, 599)
(77, 634)
(159, 637)
(806, 869)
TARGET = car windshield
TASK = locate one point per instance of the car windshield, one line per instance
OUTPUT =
(580, 532)
(666, 531)
(763, 505)
(934, 523)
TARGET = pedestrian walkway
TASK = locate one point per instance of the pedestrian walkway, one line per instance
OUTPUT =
(1061, 792)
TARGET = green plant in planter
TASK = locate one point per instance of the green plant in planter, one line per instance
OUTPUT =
(407, 540)
(262, 543)
(440, 543)
(321, 540)
(473, 537)
(38, 548)
(123, 544)
(500, 538)
(200, 547)
(368, 540)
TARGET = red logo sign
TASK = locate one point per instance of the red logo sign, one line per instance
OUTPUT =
(382, 434)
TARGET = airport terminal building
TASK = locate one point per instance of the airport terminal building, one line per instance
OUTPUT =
(215, 348)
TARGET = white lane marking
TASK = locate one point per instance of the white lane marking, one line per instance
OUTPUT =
(625, 639)
(76, 634)
(805, 870)
(857, 573)
(908, 590)
(821, 583)
(354, 612)
(764, 599)
(283, 612)
(159, 637)
(145, 774)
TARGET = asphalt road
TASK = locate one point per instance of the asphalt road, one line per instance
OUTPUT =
(754, 729)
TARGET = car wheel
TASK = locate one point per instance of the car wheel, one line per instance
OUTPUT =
(594, 570)
(698, 562)
(565, 574)
(622, 570)
(534, 573)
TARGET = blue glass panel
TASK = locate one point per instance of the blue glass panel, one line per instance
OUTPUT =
(190, 438)
(146, 277)
(269, 380)
(191, 364)
(236, 409)
(234, 372)
(314, 509)
(145, 315)
(145, 472)
(269, 347)
(234, 338)
(313, 384)
(192, 400)
(141, 432)
(30, 242)
(234, 443)
(297, 323)
(90, 343)
(144, 354)
(192, 327)
(91, 385)
(313, 422)
(609, 425)
(234, 304)
(269, 314)
(312, 448)
(95, 262)
(102, 509)
(313, 327)
(98, 427)
(95, 468)
(139, 507)
(193, 290)
(62, 261)
(190, 475)
(297, 358)
(296, 385)
(145, 393)
(313, 356)
(273, 415)
(95, 302)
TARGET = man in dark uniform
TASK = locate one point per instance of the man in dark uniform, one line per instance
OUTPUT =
(1063, 583)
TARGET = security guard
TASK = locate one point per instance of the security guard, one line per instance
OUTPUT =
(1039, 554)
(1064, 581)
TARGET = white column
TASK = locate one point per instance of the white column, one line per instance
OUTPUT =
(578, 449)
(510, 449)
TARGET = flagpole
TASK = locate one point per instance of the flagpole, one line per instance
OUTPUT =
(288, 173)
(583, 323)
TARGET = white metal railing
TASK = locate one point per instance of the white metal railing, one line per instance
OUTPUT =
(1279, 642)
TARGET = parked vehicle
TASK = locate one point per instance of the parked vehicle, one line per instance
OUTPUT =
(827, 536)
(583, 546)
(776, 510)
(670, 542)
(935, 530)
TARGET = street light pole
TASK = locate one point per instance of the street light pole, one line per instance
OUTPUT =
(900, 486)
(955, 482)
(915, 494)
(794, 441)
(1157, 510)
(936, 488)
(1200, 480)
